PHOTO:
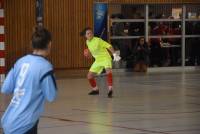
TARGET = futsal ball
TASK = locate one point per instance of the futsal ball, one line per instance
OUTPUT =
(87, 53)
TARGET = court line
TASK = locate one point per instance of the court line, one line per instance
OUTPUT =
(192, 103)
(106, 125)
(57, 126)
(192, 95)
(185, 130)
(135, 113)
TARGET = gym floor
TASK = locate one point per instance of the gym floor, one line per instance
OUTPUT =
(152, 103)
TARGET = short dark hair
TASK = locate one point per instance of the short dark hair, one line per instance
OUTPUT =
(142, 37)
(40, 38)
(83, 32)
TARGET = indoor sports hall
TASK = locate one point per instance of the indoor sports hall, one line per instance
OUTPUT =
(99, 66)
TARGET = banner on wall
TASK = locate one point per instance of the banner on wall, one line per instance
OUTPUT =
(39, 11)
(100, 20)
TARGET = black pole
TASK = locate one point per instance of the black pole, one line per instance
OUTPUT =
(39, 12)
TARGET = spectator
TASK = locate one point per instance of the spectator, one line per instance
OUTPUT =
(141, 55)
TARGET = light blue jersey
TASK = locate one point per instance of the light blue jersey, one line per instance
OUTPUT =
(31, 81)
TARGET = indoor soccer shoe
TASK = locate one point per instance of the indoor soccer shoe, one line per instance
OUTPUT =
(110, 93)
(94, 92)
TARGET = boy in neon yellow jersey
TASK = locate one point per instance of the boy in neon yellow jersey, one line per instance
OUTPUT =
(99, 50)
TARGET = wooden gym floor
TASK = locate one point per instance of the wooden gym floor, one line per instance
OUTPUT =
(152, 103)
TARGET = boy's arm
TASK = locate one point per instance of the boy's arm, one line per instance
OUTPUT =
(8, 84)
(115, 55)
(111, 49)
(49, 87)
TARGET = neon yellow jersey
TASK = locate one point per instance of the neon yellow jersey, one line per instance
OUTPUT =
(98, 48)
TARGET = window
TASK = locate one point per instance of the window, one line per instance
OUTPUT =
(172, 32)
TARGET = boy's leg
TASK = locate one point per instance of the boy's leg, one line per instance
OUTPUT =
(33, 130)
(109, 82)
(91, 78)
(109, 78)
(96, 68)
(108, 66)
(92, 82)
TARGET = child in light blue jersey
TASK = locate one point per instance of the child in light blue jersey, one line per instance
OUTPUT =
(31, 82)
